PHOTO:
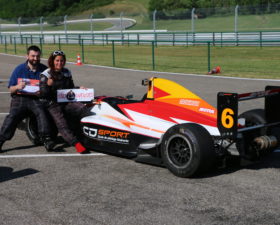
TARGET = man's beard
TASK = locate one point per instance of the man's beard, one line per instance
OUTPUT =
(34, 62)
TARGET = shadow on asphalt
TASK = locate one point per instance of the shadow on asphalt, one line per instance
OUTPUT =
(60, 147)
(270, 161)
(7, 173)
(19, 148)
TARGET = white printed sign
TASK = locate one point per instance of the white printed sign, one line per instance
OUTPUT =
(31, 86)
(75, 95)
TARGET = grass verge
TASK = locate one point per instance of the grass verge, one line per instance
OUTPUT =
(238, 61)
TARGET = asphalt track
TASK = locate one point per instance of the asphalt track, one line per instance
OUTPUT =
(118, 23)
(64, 188)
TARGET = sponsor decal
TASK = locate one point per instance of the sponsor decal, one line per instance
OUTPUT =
(212, 111)
(107, 135)
(188, 102)
(70, 95)
(73, 95)
(90, 132)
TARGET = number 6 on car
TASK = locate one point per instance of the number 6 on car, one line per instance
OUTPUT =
(227, 114)
(227, 118)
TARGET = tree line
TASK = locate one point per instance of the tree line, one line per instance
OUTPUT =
(35, 8)
(178, 9)
(161, 5)
(166, 8)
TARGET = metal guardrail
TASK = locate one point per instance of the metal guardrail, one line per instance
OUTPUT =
(266, 38)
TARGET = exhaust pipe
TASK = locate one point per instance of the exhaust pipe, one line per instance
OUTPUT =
(265, 142)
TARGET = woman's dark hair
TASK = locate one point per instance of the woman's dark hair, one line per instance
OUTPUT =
(52, 58)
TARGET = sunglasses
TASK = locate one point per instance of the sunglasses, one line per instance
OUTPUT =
(55, 53)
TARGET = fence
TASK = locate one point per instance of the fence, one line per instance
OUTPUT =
(268, 38)
(235, 60)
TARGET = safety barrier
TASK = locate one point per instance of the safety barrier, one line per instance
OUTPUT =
(168, 38)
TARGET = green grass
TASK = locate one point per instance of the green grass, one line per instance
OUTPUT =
(128, 7)
(265, 22)
(253, 62)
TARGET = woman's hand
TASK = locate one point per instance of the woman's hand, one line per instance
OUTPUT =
(50, 82)
(82, 87)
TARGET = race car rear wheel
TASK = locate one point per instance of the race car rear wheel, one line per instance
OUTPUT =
(187, 150)
(245, 145)
(254, 117)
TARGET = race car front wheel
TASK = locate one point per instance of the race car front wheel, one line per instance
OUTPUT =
(187, 150)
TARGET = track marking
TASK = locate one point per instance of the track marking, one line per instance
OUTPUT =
(5, 92)
(4, 113)
(50, 155)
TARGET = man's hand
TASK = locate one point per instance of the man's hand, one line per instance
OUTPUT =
(20, 85)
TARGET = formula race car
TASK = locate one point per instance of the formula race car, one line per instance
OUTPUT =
(177, 128)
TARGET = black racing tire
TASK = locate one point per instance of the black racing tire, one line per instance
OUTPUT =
(252, 117)
(32, 130)
(187, 150)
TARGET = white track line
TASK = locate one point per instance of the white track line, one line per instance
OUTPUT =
(164, 73)
(49, 155)
(5, 92)
(57, 155)
(4, 113)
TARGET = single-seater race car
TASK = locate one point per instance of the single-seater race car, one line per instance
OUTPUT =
(178, 129)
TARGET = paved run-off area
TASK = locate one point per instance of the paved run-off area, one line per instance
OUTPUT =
(65, 188)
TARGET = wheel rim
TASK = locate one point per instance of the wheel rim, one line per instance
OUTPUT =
(179, 150)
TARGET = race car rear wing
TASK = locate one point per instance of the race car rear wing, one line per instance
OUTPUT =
(227, 107)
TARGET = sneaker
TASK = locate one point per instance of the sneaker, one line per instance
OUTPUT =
(49, 144)
(1, 144)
